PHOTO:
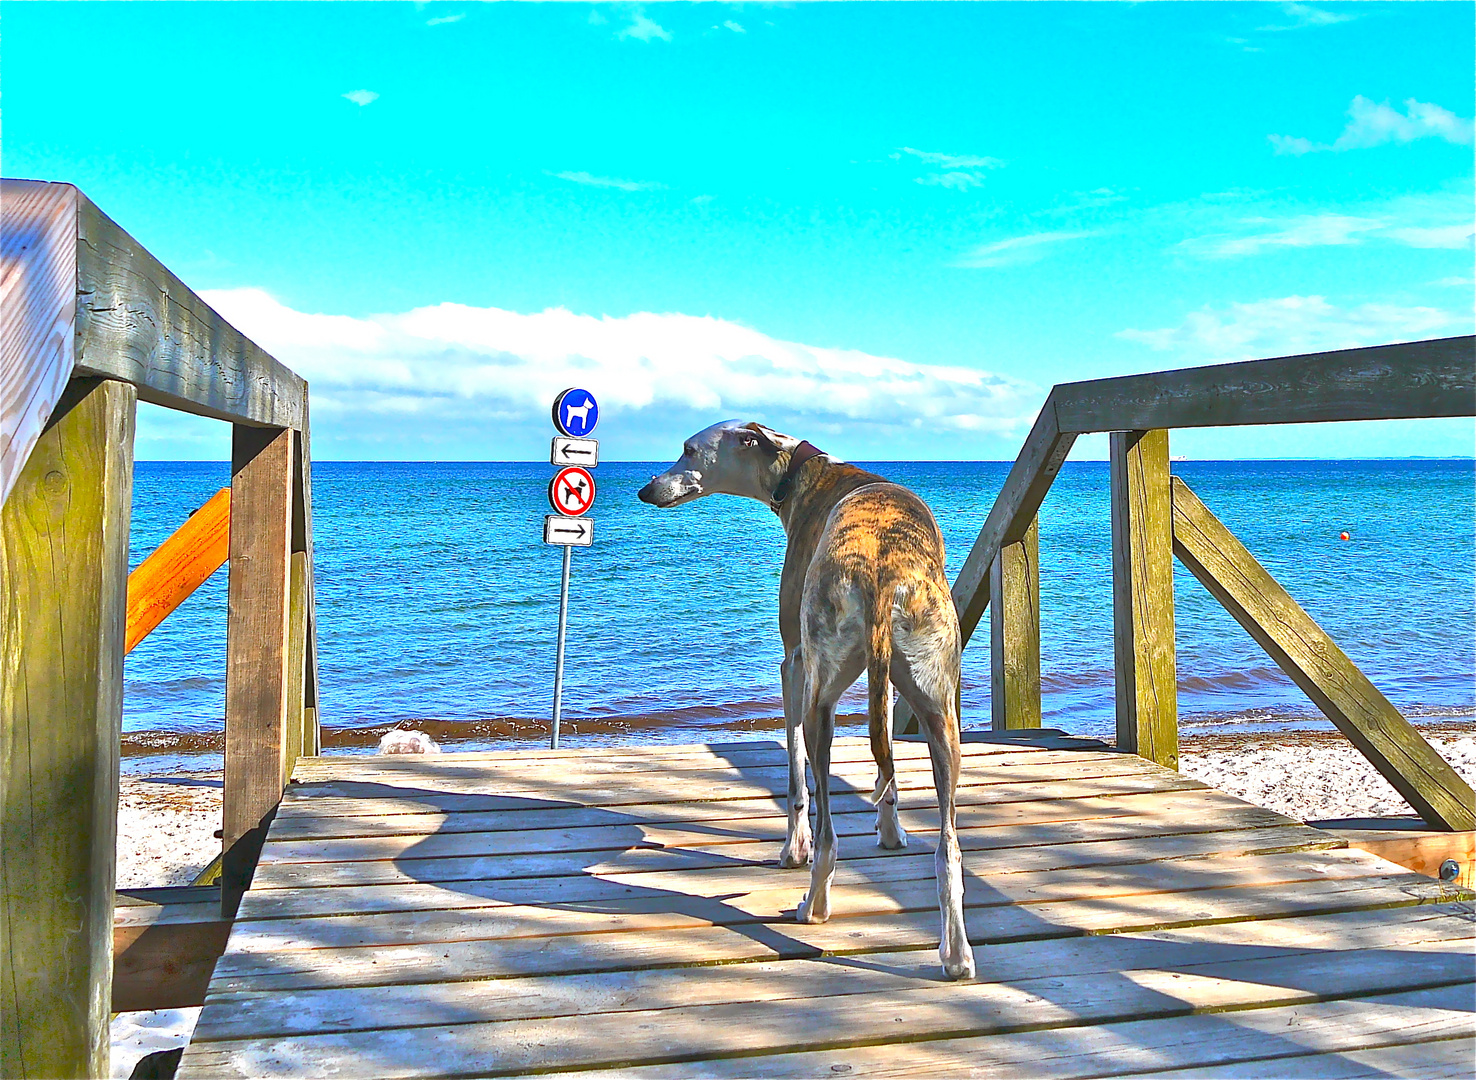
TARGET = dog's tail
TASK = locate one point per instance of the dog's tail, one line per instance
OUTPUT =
(879, 698)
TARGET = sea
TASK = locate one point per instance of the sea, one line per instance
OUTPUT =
(437, 601)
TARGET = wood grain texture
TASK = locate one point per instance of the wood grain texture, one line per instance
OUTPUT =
(64, 565)
(256, 646)
(1385, 382)
(136, 321)
(302, 541)
(38, 306)
(297, 641)
(1014, 633)
(1315, 663)
(1146, 679)
(165, 944)
(177, 567)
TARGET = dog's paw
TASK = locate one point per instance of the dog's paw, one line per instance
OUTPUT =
(812, 913)
(796, 852)
(959, 967)
(893, 839)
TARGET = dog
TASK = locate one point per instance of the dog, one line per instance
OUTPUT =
(581, 410)
(863, 589)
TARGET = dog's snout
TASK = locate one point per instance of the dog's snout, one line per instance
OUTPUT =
(647, 494)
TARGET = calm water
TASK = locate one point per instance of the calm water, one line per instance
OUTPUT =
(437, 600)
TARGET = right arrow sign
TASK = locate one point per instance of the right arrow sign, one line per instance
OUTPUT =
(568, 531)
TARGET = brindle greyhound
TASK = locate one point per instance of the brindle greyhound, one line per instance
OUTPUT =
(863, 588)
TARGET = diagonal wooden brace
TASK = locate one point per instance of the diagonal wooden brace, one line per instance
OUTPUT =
(1315, 663)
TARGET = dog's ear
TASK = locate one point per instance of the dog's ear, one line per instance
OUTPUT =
(756, 434)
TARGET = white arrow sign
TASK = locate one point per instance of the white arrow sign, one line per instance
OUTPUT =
(585, 452)
(568, 531)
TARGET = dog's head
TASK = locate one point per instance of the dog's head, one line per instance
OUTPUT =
(731, 458)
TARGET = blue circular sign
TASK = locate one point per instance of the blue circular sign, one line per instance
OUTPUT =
(575, 412)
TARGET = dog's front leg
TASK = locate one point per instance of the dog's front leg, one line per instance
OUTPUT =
(797, 841)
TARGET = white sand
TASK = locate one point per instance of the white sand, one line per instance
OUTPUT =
(166, 828)
(1314, 781)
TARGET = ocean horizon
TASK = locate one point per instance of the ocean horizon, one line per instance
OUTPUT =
(437, 600)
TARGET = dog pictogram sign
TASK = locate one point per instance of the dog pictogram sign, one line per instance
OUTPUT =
(575, 413)
(572, 491)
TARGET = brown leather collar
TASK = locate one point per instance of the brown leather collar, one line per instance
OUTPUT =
(797, 457)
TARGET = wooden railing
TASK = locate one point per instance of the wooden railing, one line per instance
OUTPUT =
(1155, 517)
(90, 324)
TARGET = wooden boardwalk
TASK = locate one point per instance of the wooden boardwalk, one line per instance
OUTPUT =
(620, 910)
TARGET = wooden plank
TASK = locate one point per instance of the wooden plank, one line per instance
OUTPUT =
(165, 944)
(1454, 1058)
(856, 820)
(177, 567)
(265, 1015)
(38, 307)
(1143, 596)
(1315, 663)
(1161, 1045)
(1014, 633)
(697, 1032)
(139, 323)
(667, 938)
(288, 827)
(1011, 515)
(1422, 850)
(1158, 858)
(302, 543)
(1385, 382)
(64, 565)
(632, 905)
(295, 730)
(256, 647)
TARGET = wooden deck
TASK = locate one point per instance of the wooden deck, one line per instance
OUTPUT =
(620, 911)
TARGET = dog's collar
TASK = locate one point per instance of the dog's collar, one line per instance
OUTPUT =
(797, 457)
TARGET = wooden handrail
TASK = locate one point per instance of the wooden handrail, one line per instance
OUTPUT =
(177, 567)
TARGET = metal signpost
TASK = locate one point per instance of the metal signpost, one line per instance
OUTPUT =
(571, 493)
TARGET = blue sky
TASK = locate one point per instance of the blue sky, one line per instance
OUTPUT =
(887, 227)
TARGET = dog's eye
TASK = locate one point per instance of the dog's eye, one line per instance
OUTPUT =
(748, 440)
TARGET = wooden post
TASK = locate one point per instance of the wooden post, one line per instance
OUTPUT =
(262, 466)
(1014, 633)
(1314, 662)
(63, 575)
(1143, 596)
(302, 541)
(292, 742)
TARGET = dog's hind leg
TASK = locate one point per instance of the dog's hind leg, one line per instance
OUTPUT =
(797, 841)
(889, 831)
(819, 731)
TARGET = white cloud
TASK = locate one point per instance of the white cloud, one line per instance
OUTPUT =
(1441, 236)
(452, 362)
(1294, 324)
(1018, 249)
(957, 172)
(361, 97)
(1304, 15)
(1309, 230)
(1372, 124)
(736, 27)
(644, 29)
(444, 20)
(608, 181)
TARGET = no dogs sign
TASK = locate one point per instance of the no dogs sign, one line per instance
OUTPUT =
(572, 491)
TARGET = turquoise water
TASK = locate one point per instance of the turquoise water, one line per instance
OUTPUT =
(437, 599)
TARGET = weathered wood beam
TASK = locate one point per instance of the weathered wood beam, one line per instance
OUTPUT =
(1385, 382)
(302, 540)
(38, 306)
(177, 567)
(295, 719)
(1143, 596)
(137, 322)
(1009, 518)
(262, 466)
(64, 568)
(1315, 663)
(1014, 634)
(165, 944)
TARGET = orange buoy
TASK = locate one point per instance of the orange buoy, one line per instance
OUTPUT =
(1343, 536)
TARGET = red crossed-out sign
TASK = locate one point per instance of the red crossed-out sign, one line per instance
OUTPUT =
(572, 491)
